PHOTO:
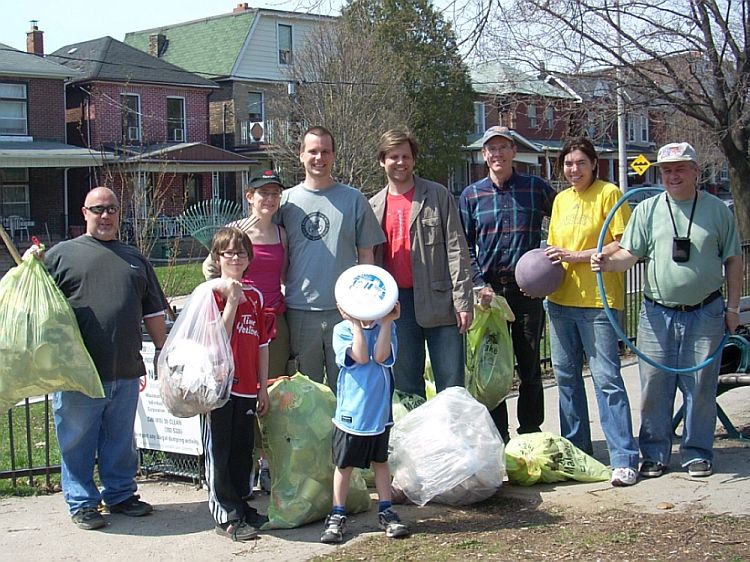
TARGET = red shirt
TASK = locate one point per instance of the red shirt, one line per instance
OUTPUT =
(248, 336)
(397, 255)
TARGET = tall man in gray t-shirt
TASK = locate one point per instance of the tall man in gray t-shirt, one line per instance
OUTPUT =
(330, 227)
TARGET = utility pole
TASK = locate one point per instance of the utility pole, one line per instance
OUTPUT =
(622, 156)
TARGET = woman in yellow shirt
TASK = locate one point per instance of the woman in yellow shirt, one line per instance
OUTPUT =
(579, 326)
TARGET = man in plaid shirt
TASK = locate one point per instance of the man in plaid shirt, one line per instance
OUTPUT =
(502, 218)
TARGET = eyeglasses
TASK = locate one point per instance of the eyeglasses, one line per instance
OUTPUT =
(99, 209)
(230, 255)
(497, 149)
(269, 194)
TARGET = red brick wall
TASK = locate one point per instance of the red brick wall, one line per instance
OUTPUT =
(45, 107)
(105, 112)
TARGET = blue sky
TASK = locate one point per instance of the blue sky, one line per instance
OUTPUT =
(81, 20)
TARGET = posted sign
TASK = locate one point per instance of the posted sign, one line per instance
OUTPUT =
(640, 164)
(155, 428)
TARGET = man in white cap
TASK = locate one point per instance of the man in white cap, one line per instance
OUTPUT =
(688, 239)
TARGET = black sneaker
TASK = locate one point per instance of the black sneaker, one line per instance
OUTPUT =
(88, 518)
(335, 528)
(652, 469)
(237, 531)
(132, 507)
(255, 519)
(391, 523)
(700, 469)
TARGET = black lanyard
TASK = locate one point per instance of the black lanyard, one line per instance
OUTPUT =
(671, 216)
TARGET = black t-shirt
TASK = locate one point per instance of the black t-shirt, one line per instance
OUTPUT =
(111, 287)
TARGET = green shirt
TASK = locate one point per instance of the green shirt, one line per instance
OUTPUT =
(713, 239)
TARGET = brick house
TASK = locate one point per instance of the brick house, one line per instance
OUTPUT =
(247, 52)
(152, 116)
(36, 163)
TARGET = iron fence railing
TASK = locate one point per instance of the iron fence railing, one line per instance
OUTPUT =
(28, 446)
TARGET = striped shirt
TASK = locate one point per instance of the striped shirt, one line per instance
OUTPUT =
(502, 223)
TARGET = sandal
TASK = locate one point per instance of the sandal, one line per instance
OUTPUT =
(237, 531)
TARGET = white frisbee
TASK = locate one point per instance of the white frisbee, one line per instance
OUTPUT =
(366, 292)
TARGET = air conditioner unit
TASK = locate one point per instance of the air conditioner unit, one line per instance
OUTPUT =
(177, 135)
(257, 131)
(134, 133)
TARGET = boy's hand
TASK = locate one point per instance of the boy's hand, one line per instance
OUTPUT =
(394, 314)
(231, 290)
(263, 402)
(355, 322)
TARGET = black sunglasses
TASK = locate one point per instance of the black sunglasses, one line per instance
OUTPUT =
(99, 209)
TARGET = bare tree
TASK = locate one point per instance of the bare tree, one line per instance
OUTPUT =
(692, 56)
(343, 81)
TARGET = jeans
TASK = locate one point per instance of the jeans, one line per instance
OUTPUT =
(97, 430)
(679, 339)
(445, 344)
(575, 331)
(311, 343)
(526, 332)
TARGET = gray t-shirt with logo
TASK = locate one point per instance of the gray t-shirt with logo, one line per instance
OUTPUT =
(324, 229)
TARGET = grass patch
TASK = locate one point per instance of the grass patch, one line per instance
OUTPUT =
(180, 279)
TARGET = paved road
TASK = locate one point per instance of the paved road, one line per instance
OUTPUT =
(181, 527)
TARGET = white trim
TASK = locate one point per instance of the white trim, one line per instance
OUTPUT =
(291, 46)
(183, 129)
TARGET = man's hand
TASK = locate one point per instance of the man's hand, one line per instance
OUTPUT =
(157, 353)
(599, 262)
(263, 402)
(36, 250)
(732, 320)
(463, 320)
(486, 294)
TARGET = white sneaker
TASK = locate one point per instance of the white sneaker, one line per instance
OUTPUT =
(623, 476)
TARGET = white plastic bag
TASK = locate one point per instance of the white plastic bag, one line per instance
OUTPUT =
(196, 367)
(447, 450)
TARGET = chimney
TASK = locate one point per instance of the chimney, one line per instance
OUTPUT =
(242, 7)
(156, 44)
(35, 40)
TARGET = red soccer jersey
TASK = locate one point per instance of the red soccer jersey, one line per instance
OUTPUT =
(397, 256)
(248, 336)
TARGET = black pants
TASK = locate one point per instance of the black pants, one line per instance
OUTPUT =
(228, 440)
(526, 332)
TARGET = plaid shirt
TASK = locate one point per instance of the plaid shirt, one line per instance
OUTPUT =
(502, 223)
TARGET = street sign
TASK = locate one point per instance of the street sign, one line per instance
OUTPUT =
(640, 164)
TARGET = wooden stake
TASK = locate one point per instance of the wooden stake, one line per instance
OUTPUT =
(9, 244)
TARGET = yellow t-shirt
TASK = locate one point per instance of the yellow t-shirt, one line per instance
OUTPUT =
(577, 220)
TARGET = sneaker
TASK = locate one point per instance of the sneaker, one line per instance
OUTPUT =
(652, 469)
(391, 523)
(623, 476)
(237, 531)
(335, 528)
(132, 507)
(88, 518)
(700, 469)
(255, 519)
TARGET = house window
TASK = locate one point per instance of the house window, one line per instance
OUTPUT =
(14, 192)
(549, 117)
(13, 109)
(285, 43)
(255, 106)
(637, 127)
(479, 117)
(531, 113)
(508, 118)
(193, 192)
(176, 119)
(131, 118)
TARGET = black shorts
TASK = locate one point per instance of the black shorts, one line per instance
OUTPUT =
(359, 450)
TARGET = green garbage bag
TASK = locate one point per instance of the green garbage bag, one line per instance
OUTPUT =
(297, 432)
(546, 457)
(41, 349)
(489, 353)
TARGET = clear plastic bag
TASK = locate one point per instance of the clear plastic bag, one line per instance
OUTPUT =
(196, 366)
(489, 353)
(546, 457)
(297, 434)
(447, 450)
(41, 348)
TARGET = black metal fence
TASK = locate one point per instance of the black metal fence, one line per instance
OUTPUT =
(28, 445)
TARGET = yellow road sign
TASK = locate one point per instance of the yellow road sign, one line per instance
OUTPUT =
(640, 164)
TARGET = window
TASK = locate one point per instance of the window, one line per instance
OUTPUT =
(285, 44)
(531, 113)
(637, 127)
(549, 117)
(479, 117)
(176, 119)
(131, 118)
(13, 109)
(507, 117)
(14, 192)
(255, 106)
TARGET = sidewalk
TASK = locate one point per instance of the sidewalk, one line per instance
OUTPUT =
(181, 528)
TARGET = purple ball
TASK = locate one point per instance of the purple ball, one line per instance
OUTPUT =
(536, 275)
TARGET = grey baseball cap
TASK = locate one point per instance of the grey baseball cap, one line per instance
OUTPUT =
(497, 131)
(676, 152)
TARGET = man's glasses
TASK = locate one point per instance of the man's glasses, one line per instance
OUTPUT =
(99, 209)
(230, 255)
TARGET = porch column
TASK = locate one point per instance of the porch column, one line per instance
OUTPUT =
(214, 185)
